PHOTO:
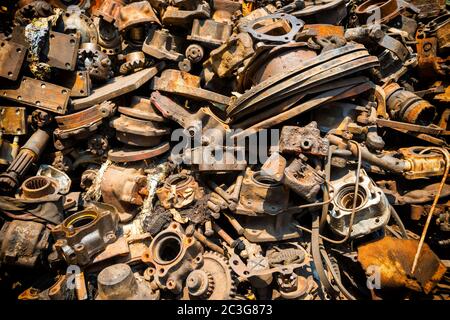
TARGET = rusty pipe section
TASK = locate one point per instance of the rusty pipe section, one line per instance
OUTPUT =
(28, 154)
(385, 161)
(415, 162)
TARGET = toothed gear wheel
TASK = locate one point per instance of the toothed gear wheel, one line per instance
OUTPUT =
(35, 9)
(221, 279)
(97, 63)
(135, 62)
(200, 284)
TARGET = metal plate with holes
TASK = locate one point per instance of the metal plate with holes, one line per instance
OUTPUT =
(39, 94)
(12, 56)
(78, 82)
(296, 25)
(63, 50)
(13, 120)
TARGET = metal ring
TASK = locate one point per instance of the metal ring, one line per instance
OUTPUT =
(296, 25)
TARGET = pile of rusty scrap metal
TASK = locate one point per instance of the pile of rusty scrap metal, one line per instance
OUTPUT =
(224, 149)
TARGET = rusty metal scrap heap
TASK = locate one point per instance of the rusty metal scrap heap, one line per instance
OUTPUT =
(224, 149)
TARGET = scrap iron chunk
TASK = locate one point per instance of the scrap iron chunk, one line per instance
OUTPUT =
(393, 258)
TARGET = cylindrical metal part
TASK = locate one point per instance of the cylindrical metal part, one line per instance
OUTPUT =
(208, 228)
(385, 162)
(29, 153)
(225, 236)
(407, 106)
(200, 237)
(116, 282)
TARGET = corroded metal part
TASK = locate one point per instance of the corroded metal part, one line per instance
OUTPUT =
(63, 180)
(226, 59)
(172, 255)
(134, 14)
(372, 210)
(429, 63)
(29, 10)
(422, 162)
(261, 195)
(13, 120)
(141, 108)
(187, 85)
(210, 32)
(194, 123)
(306, 140)
(134, 61)
(428, 8)
(63, 49)
(271, 61)
(96, 62)
(28, 154)
(84, 122)
(347, 58)
(40, 94)
(195, 53)
(108, 36)
(116, 87)
(224, 10)
(86, 233)
(268, 228)
(406, 106)
(12, 56)
(136, 132)
(296, 25)
(303, 180)
(117, 282)
(109, 10)
(38, 187)
(327, 11)
(179, 17)
(160, 44)
(137, 154)
(179, 191)
(393, 258)
(75, 21)
(23, 243)
(274, 167)
(79, 83)
(375, 11)
(123, 188)
(214, 280)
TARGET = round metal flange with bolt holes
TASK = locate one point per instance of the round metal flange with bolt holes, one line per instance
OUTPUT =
(296, 26)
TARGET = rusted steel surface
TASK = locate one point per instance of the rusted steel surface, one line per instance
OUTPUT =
(79, 84)
(210, 32)
(116, 87)
(303, 140)
(63, 49)
(41, 94)
(131, 155)
(393, 259)
(13, 120)
(184, 84)
(86, 233)
(386, 10)
(12, 56)
(224, 149)
(136, 13)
